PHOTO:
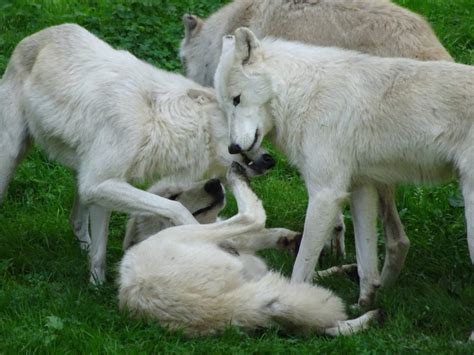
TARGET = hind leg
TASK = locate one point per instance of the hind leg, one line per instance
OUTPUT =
(79, 220)
(364, 212)
(396, 241)
(349, 327)
(99, 218)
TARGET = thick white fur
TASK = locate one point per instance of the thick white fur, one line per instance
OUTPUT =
(350, 121)
(192, 196)
(113, 119)
(201, 279)
(376, 27)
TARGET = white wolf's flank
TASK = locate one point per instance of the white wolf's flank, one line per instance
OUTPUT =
(113, 119)
(377, 27)
(350, 121)
(203, 278)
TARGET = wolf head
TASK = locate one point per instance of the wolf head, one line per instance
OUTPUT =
(191, 52)
(256, 161)
(205, 200)
(244, 90)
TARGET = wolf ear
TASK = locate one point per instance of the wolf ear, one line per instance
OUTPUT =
(192, 25)
(247, 46)
(202, 95)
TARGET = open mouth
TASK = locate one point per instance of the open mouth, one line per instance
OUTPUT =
(216, 203)
(260, 165)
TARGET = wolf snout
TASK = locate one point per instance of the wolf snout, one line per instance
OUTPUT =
(265, 162)
(213, 187)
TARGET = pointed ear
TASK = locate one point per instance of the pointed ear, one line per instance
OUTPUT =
(192, 25)
(247, 46)
(202, 95)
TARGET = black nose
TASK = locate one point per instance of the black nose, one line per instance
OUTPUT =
(267, 161)
(213, 187)
(234, 149)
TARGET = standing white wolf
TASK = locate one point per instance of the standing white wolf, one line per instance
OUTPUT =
(201, 279)
(113, 119)
(376, 27)
(349, 121)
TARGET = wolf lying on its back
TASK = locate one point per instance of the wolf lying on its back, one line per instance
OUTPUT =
(113, 119)
(203, 278)
(203, 199)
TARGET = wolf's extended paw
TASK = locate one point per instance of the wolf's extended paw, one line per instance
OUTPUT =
(290, 242)
(237, 171)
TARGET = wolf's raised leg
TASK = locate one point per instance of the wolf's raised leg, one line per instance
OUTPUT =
(79, 220)
(364, 213)
(272, 238)
(249, 220)
(348, 327)
(249, 205)
(99, 218)
(118, 195)
(396, 241)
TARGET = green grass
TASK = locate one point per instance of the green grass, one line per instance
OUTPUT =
(46, 304)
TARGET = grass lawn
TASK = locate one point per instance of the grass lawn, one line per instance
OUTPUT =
(46, 304)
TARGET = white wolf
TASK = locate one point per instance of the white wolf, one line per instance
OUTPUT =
(376, 27)
(203, 199)
(201, 279)
(113, 119)
(349, 121)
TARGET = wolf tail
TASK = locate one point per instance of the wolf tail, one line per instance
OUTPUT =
(14, 134)
(273, 300)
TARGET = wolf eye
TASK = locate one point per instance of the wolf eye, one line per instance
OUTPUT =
(236, 100)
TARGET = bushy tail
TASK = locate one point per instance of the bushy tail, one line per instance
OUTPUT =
(273, 300)
(14, 135)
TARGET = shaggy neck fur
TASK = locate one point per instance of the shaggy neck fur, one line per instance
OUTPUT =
(174, 129)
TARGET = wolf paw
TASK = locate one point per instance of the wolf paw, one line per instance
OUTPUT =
(290, 242)
(237, 171)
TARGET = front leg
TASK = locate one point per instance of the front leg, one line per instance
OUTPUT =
(117, 195)
(249, 220)
(364, 214)
(323, 212)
